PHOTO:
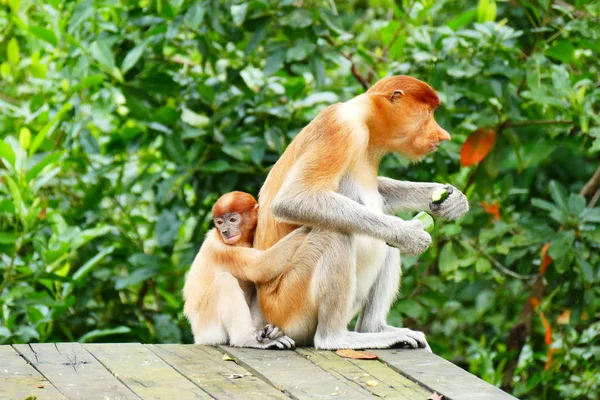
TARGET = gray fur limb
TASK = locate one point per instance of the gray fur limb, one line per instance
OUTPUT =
(333, 211)
(416, 196)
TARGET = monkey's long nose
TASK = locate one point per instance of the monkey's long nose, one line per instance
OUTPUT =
(443, 135)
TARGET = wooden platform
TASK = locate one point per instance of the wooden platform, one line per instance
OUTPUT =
(177, 372)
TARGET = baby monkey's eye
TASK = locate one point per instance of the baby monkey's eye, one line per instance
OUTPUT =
(219, 222)
(233, 219)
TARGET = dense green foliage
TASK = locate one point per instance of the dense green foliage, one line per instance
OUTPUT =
(122, 122)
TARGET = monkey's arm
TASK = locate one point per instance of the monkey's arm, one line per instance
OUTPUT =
(416, 196)
(307, 198)
(262, 266)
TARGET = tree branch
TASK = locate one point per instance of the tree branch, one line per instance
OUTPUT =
(514, 124)
(353, 68)
(497, 263)
(591, 187)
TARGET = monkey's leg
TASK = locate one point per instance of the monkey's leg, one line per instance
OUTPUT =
(335, 286)
(381, 297)
(235, 315)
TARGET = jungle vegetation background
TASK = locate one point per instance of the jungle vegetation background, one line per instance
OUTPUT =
(121, 122)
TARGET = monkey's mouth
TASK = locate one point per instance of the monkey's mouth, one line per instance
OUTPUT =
(433, 147)
(232, 239)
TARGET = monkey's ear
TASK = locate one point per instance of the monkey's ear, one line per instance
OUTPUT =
(397, 93)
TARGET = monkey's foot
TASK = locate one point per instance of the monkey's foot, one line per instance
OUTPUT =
(360, 340)
(271, 337)
(409, 338)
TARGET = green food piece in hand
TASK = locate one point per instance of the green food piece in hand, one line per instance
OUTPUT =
(426, 220)
(439, 195)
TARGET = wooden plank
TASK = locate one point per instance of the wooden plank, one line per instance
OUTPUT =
(19, 380)
(74, 371)
(294, 374)
(440, 375)
(222, 379)
(142, 371)
(370, 375)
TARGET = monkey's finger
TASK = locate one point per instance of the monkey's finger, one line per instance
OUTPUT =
(408, 342)
(434, 206)
(449, 189)
(289, 342)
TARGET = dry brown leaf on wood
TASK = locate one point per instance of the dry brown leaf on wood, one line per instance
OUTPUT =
(357, 355)
(435, 396)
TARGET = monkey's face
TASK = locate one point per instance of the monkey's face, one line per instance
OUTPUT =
(230, 227)
(406, 126)
(423, 135)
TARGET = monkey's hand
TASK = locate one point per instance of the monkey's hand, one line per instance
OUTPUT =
(410, 238)
(454, 207)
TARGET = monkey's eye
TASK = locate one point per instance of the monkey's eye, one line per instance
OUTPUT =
(233, 219)
(219, 222)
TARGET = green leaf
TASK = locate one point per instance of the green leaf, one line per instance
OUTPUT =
(301, 50)
(238, 13)
(48, 128)
(561, 245)
(13, 53)
(24, 138)
(7, 153)
(15, 193)
(138, 276)
(485, 301)
(576, 203)
(193, 119)
(463, 19)
(561, 50)
(587, 271)
(86, 268)
(299, 18)
(8, 237)
(559, 195)
(216, 166)
(50, 159)
(102, 53)
(448, 260)
(331, 21)
(274, 62)
(486, 11)
(98, 333)
(81, 13)
(166, 228)
(591, 215)
(133, 56)
(44, 34)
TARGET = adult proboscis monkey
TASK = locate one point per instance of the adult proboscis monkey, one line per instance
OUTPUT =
(327, 179)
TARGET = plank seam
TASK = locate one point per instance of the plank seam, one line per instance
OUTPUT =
(36, 368)
(111, 372)
(178, 371)
(353, 383)
(256, 373)
(411, 378)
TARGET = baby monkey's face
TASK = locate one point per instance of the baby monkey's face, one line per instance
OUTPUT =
(230, 227)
